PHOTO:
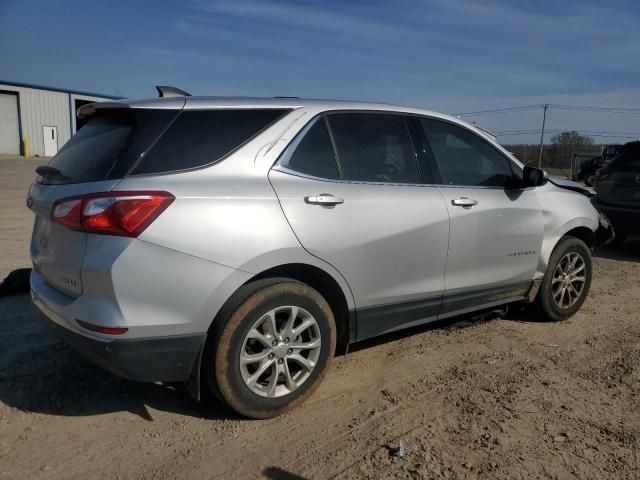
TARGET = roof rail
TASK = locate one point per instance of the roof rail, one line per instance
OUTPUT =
(168, 91)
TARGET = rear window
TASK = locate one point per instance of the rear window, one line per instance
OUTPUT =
(114, 142)
(108, 145)
(202, 137)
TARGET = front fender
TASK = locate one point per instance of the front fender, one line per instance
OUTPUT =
(563, 211)
(551, 239)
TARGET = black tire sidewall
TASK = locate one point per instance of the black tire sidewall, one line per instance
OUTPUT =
(549, 308)
(227, 370)
(590, 180)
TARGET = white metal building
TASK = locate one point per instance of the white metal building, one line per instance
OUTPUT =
(37, 120)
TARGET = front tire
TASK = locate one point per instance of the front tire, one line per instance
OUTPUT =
(270, 347)
(567, 280)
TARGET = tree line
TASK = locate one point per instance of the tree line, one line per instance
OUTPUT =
(559, 152)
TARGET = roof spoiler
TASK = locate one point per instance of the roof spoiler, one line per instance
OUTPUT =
(168, 91)
(89, 109)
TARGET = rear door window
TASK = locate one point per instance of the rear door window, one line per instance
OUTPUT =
(374, 147)
(314, 154)
(201, 137)
(108, 145)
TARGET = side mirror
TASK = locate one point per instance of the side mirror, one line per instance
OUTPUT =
(533, 177)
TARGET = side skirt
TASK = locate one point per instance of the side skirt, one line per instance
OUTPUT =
(381, 319)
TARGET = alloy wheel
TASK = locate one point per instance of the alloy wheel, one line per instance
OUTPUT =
(567, 284)
(280, 351)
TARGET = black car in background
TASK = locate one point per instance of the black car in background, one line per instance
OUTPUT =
(588, 168)
(617, 185)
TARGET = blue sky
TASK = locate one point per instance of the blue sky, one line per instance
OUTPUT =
(448, 55)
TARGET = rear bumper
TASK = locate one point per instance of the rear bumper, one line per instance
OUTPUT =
(624, 219)
(167, 359)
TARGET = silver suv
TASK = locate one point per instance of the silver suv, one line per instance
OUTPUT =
(237, 244)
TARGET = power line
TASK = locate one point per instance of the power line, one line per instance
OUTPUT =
(558, 130)
(582, 108)
(602, 135)
(558, 106)
(500, 110)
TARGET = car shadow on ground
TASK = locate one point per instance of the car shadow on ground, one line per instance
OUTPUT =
(42, 375)
(629, 250)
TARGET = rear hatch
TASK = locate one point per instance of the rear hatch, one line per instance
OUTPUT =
(619, 181)
(94, 160)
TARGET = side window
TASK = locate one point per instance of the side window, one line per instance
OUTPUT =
(314, 154)
(202, 137)
(464, 158)
(373, 147)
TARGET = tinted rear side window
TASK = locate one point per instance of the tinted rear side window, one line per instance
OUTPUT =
(202, 137)
(108, 145)
(314, 154)
(374, 147)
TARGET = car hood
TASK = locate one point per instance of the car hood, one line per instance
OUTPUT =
(571, 185)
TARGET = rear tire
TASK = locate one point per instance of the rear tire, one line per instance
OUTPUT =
(270, 347)
(590, 180)
(567, 280)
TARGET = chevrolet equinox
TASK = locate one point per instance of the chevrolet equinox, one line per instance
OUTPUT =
(235, 244)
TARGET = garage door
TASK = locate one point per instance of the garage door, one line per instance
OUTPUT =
(9, 129)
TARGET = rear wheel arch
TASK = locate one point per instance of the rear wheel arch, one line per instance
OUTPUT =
(325, 284)
(221, 363)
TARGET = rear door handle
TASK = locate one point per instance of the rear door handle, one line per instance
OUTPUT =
(464, 202)
(324, 199)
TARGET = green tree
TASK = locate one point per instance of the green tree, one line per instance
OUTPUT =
(565, 144)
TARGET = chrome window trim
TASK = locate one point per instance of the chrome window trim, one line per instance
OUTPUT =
(295, 173)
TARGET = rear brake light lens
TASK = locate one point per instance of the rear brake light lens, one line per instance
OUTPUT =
(105, 330)
(69, 213)
(113, 213)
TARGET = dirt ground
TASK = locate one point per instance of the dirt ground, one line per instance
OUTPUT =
(515, 398)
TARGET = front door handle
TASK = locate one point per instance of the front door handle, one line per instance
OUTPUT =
(324, 199)
(464, 202)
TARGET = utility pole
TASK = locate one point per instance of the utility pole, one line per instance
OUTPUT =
(525, 154)
(544, 120)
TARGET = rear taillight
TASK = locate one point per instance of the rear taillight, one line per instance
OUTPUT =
(69, 213)
(112, 213)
